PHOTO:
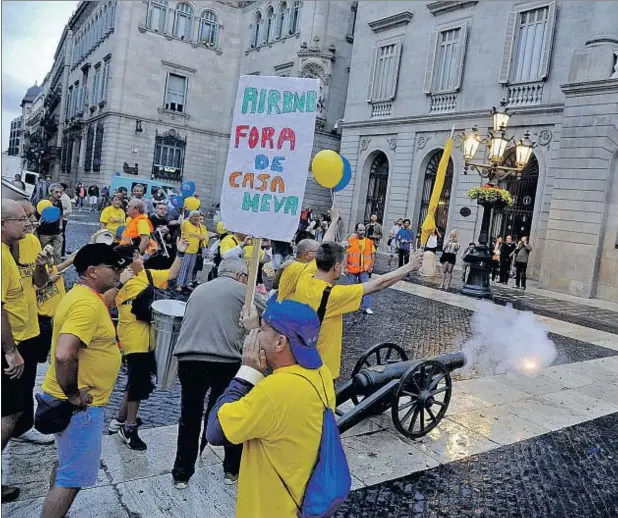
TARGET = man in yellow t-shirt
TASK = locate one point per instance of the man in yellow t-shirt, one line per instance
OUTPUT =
(287, 276)
(85, 361)
(277, 419)
(134, 337)
(113, 217)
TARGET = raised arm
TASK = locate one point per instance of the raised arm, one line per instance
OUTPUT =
(387, 280)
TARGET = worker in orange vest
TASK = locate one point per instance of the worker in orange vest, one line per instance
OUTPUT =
(361, 256)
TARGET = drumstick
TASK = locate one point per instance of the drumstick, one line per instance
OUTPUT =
(165, 252)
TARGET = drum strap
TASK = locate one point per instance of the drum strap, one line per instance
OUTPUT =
(324, 302)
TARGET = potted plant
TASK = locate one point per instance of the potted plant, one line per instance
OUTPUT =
(491, 195)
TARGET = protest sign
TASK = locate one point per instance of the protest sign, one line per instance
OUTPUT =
(268, 159)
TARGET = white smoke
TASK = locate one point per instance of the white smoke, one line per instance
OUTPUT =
(506, 340)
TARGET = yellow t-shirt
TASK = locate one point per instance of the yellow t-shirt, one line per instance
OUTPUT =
(227, 243)
(49, 296)
(14, 300)
(194, 235)
(83, 313)
(343, 299)
(113, 218)
(143, 228)
(133, 334)
(29, 248)
(280, 425)
(289, 278)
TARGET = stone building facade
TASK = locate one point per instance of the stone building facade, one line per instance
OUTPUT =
(420, 69)
(147, 88)
(15, 137)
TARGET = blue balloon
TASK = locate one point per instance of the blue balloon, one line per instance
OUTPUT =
(119, 231)
(51, 215)
(346, 178)
(177, 201)
(187, 188)
(118, 174)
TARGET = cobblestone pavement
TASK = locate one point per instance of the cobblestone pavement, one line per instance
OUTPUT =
(568, 473)
(597, 318)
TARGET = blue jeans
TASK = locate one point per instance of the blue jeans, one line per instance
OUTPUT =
(359, 278)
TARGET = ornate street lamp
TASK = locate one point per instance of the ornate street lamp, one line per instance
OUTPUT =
(490, 196)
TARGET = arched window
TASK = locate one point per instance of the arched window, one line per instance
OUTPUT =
(209, 29)
(270, 25)
(376, 189)
(295, 18)
(183, 19)
(98, 31)
(157, 11)
(111, 9)
(431, 171)
(255, 30)
(281, 19)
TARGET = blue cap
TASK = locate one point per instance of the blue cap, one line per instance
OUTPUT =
(300, 324)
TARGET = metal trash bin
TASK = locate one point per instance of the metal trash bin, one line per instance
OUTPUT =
(166, 319)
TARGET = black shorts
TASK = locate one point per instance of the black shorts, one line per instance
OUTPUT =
(17, 393)
(141, 368)
(448, 258)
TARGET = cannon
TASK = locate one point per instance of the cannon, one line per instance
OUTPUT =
(418, 392)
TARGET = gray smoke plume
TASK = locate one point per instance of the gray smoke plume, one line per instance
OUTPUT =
(506, 340)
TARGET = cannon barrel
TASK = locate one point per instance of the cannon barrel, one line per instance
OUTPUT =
(370, 379)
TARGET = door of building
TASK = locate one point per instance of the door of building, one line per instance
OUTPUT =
(441, 215)
(377, 188)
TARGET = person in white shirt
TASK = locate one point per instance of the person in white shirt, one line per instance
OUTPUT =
(432, 241)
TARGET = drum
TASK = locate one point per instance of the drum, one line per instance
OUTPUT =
(166, 320)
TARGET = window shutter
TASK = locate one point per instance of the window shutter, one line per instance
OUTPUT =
(395, 71)
(507, 50)
(548, 40)
(251, 29)
(372, 74)
(463, 39)
(431, 58)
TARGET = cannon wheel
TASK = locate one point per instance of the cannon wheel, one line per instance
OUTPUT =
(381, 354)
(421, 399)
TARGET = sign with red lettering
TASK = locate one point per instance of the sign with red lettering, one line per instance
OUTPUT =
(269, 153)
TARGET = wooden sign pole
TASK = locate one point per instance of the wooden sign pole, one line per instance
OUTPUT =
(253, 270)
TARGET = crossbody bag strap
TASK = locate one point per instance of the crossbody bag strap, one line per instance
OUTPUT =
(323, 303)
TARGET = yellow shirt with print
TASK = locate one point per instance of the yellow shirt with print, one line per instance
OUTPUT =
(49, 296)
(227, 243)
(133, 334)
(289, 279)
(14, 300)
(83, 313)
(343, 299)
(29, 248)
(197, 236)
(113, 218)
(279, 424)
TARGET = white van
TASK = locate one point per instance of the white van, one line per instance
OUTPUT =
(11, 165)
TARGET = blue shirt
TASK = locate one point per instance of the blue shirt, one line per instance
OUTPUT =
(404, 239)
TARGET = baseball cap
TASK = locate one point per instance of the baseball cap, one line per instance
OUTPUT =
(126, 252)
(97, 254)
(300, 324)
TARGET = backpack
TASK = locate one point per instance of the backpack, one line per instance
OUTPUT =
(141, 305)
(330, 481)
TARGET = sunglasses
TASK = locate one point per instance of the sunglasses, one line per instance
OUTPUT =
(26, 219)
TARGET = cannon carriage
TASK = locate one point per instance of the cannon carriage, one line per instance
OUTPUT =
(418, 392)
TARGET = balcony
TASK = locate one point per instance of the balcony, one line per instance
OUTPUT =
(160, 172)
(381, 110)
(529, 94)
(444, 103)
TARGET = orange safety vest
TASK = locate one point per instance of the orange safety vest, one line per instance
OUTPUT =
(354, 255)
(131, 232)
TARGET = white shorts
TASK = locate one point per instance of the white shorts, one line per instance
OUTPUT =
(93, 200)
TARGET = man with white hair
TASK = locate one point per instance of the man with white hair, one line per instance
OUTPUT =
(209, 352)
(138, 228)
(287, 276)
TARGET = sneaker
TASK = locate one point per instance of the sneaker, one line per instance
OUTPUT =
(181, 484)
(132, 439)
(35, 437)
(115, 425)
(230, 478)
(369, 311)
(9, 494)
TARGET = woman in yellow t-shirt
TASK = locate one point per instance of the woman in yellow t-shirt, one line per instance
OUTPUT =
(195, 233)
(113, 217)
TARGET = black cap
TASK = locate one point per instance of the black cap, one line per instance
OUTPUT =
(126, 251)
(95, 255)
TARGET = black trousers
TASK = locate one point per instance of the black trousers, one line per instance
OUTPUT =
(30, 352)
(520, 274)
(495, 268)
(505, 266)
(196, 377)
(404, 257)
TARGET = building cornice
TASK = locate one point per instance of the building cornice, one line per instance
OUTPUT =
(391, 22)
(548, 109)
(603, 86)
(445, 6)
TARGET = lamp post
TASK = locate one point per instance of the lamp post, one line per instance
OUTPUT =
(497, 144)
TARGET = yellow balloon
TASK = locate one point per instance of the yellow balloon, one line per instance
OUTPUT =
(42, 205)
(327, 168)
(192, 203)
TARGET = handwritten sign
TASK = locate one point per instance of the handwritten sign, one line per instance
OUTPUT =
(268, 157)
